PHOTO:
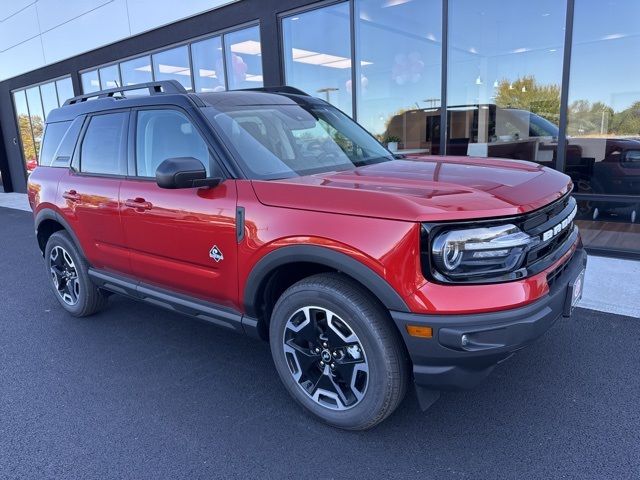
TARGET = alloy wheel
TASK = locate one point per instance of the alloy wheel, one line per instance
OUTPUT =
(64, 275)
(326, 358)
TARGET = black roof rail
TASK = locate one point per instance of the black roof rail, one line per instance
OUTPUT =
(164, 86)
(281, 89)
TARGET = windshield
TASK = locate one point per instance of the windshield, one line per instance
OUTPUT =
(541, 127)
(284, 141)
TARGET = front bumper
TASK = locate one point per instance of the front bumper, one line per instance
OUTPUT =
(444, 363)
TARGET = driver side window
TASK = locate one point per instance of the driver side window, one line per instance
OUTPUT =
(163, 134)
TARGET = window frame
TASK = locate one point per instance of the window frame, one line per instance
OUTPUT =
(76, 162)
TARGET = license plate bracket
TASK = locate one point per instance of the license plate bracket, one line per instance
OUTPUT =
(574, 293)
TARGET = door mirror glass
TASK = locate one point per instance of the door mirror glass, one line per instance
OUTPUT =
(183, 172)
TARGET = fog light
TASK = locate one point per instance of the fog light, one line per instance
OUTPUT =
(464, 340)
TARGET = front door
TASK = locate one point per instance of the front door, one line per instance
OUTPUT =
(183, 240)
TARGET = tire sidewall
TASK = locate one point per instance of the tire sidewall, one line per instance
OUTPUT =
(376, 394)
(61, 239)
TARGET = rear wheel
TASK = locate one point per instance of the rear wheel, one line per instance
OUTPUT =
(337, 352)
(69, 278)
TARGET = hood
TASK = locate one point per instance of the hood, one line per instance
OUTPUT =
(422, 189)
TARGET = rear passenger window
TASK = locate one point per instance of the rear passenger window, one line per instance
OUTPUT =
(53, 134)
(103, 146)
(163, 134)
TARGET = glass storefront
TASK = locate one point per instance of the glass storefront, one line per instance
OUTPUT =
(603, 123)
(381, 61)
(317, 63)
(200, 65)
(32, 105)
(399, 45)
(173, 65)
(208, 65)
(243, 56)
(504, 78)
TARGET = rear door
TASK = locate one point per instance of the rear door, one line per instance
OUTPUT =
(183, 240)
(89, 191)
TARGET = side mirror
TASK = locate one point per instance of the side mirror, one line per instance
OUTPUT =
(183, 172)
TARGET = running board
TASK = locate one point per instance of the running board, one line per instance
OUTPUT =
(194, 307)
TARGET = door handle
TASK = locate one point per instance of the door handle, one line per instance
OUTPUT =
(138, 203)
(71, 195)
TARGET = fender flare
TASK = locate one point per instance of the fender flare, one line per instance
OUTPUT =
(322, 256)
(49, 214)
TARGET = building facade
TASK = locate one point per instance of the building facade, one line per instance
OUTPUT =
(552, 81)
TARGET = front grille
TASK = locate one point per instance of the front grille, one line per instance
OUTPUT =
(544, 220)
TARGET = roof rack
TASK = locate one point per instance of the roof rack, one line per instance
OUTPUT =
(280, 89)
(164, 86)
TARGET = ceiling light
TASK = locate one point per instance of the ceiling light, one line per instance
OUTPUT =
(248, 47)
(174, 70)
(323, 59)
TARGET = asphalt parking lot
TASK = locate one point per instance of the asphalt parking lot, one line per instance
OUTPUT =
(137, 392)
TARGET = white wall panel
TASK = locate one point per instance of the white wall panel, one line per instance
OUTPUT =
(95, 28)
(28, 55)
(51, 15)
(148, 14)
(18, 28)
(34, 33)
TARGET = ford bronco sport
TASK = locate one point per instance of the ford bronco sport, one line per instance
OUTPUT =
(272, 213)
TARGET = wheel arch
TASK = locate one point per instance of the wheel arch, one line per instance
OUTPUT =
(47, 222)
(308, 260)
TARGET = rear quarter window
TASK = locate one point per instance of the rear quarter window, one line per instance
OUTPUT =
(53, 135)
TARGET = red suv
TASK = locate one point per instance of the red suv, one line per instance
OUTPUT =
(272, 213)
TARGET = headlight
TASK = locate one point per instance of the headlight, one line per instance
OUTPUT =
(480, 252)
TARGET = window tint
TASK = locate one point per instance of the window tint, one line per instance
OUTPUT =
(52, 137)
(102, 148)
(163, 134)
(62, 157)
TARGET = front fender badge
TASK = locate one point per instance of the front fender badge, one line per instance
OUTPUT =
(216, 254)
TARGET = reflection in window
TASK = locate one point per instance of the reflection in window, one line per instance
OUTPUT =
(603, 128)
(37, 116)
(208, 65)
(24, 129)
(109, 77)
(243, 55)
(135, 71)
(49, 97)
(315, 62)
(65, 90)
(173, 65)
(32, 106)
(505, 72)
(90, 81)
(399, 45)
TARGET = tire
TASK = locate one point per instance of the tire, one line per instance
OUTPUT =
(68, 275)
(331, 315)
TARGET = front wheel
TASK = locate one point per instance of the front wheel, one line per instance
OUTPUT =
(337, 352)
